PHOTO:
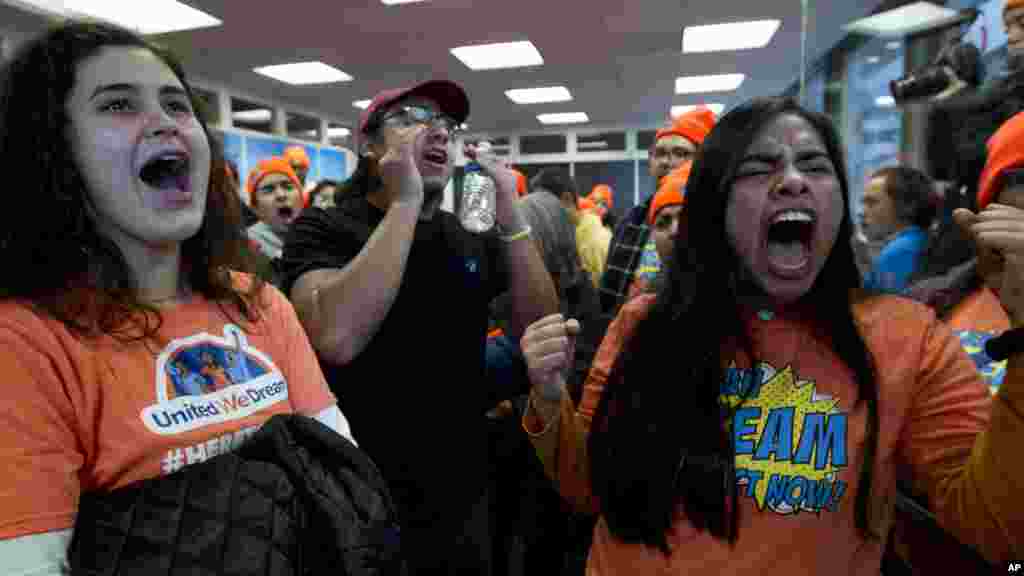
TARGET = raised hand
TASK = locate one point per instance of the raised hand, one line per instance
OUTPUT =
(998, 233)
(493, 166)
(548, 346)
(397, 167)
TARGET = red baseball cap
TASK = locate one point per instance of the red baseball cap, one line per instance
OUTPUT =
(450, 97)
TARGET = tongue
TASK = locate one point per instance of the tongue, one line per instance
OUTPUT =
(788, 255)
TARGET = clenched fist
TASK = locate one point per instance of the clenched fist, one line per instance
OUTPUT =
(397, 167)
(549, 346)
(998, 233)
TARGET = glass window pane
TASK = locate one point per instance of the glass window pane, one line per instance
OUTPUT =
(303, 127)
(543, 144)
(251, 116)
(874, 123)
(339, 135)
(644, 139)
(617, 174)
(603, 142)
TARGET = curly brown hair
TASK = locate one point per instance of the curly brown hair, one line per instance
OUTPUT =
(55, 256)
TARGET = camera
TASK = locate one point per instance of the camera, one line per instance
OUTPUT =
(958, 60)
(922, 84)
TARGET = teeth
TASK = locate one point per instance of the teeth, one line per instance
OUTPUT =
(793, 216)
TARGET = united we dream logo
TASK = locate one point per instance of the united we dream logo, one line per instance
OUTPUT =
(205, 379)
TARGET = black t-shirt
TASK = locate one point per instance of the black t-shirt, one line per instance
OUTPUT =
(416, 396)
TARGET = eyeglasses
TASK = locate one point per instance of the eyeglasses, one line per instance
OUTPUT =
(409, 116)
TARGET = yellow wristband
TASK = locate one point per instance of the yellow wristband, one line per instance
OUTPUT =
(524, 233)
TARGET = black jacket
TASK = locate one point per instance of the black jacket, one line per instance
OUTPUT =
(297, 499)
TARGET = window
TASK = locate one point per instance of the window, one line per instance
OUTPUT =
(602, 142)
(303, 127)
(338, 134)
(531, 170)
(874, 122)
(617, 174)
(500, 145)
(251, 116)
(543, 144)
(645, 139)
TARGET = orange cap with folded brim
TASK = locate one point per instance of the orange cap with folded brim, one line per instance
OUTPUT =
(671, 191)
(1013, 4)
(1005, 152)
(695, 126)
(297, 155)
(602, 195)
(274, 165)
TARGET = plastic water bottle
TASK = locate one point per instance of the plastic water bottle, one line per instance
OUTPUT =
(477, 211)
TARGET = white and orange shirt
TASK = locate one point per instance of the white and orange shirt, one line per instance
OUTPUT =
(86, 414)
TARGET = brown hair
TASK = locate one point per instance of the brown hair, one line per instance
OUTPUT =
(86, 282)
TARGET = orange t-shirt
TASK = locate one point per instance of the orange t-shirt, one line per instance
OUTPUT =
(79, 415)
(798, 441)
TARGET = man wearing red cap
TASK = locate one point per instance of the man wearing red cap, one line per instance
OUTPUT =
(632, 251)
(394, 295)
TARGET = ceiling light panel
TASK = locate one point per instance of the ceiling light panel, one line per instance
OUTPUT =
(539, 95)
(729, 36)
(709, 83)
(304, 73)
(563, 118)
(499, 56)
(149, 17)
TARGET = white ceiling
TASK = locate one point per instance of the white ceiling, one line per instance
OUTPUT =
(619, 58)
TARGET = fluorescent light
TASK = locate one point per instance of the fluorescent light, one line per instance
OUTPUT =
(394, 2)
(904, 20)
(497, 56)
(257, 115)
(894, 45)
(597, 144)
(563, 118)
(539, 95)
(149, 17)
(729, 36)
(362, 104)
(873, 60)
(303, 73)
(711, 83)
(680, 110)
(885, 101)
(338, 132)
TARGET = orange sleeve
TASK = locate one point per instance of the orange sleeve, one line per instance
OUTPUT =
(964, 447)
(40, 440)
(564, 455)
(307, 387)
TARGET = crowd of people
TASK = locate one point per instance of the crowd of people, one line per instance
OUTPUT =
(718, 381)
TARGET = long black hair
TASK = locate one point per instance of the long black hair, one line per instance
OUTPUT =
(651, 417)
(55, 256)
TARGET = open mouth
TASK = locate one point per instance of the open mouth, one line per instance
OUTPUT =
(286, 212)
(169, 171)
(436, 157)
(789, 239)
